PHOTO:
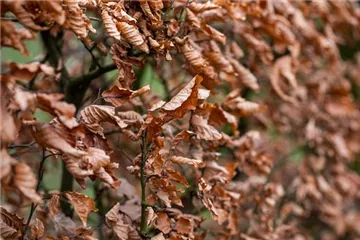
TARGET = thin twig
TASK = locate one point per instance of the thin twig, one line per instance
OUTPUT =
(25, 145)
(92, 55)
(34, 206)
(9, 19)
(87, 78)
(95, 19)
(144, 151)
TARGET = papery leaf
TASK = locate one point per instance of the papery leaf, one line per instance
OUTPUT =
(46, 136)
(283, 69)
(203, 130)
(131, 34)
(93, 115)
(240, 106)
(163, 222)
(131, 118)
(11, 225)
(184, 160)
(246, 77)
(37, 229)
(64, 111)
(82, 204)
(95, 163)
(184, 100)
(54, 205)
(184, 225)
(115, 220)
(198, 7)
(198, 63)
(125, 63)
(6, 162)
(76, 20)
(166, 191)
(10, 124)
(110, 25)
(118, 96)
(28, 71)
(64, 226)
(15, 37)
(25, 180)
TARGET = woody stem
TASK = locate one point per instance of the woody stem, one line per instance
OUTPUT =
(144, 150)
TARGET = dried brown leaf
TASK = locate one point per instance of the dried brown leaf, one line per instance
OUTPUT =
(54, 205)
(163, 222)
(203, 130)
(46, 136)
(82, 204)
(37, 229)
(11, 225)
(25, 180)
(118, 96)
(184, 160)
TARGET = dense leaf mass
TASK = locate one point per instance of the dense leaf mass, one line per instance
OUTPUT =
(180, 119)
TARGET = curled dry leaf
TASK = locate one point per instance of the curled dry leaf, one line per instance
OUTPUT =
(131, 34)
(240, 106)
(64, 226)
(54, 205)
(10, 122)
(96, 163)
(37, 229)
(125, 63)
(28, 71)
(11, 225)
(15, 37)
(64, 111)
(25, 181)
(245, 76)
(46, 136)
(163, 222)
(118, 96)
(110, 25)
(203, 130)
(93, 115)
(6, 162)
(184, 160)
(82, 204)
(115, 220)
(283, 69)
(183, 101)
(197, 62)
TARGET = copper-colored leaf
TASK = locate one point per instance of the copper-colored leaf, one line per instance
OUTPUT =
(64, 111)
(163, 222)
(37, 229)
(25, 181)
(184, 100)
(132, 35)
(11, 225)
(28, 71)
(82, 204)
(46, 136)
(116, 221)
(118, 96)
(54, 205)
(6, 163)
(203, 130)
(184, 160)
(94, 115)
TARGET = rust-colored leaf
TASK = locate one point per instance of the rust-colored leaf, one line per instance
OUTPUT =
(82, 204)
